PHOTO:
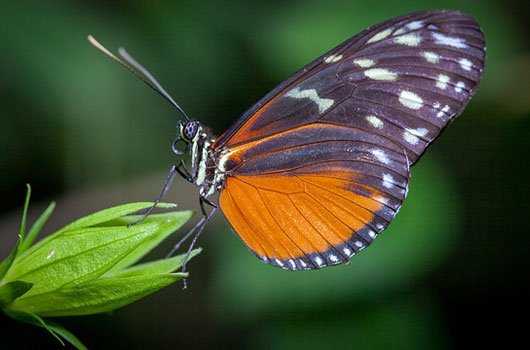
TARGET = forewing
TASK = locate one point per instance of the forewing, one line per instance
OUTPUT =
(404, 79)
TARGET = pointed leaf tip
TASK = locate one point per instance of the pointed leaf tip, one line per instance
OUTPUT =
(36, 227)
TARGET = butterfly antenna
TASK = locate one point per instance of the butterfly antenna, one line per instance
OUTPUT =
(151, 82)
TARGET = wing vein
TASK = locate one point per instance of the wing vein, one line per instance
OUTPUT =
(363, 185)
(257, 156)
(317, 231)
(242, 217)
(281, 228)
(349, 200)
(324, 162)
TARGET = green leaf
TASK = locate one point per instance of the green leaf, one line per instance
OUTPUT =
(66, 335)
(154, 267)
(65, 273)
(96, 296)
(173, 220)
(6, 264)
(113, 213)
(78, 255)
(35, 229)
(25, 212)
(13, 290)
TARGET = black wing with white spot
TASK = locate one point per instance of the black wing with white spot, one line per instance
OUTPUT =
(405, 79)
(412, 78)
(320, 166)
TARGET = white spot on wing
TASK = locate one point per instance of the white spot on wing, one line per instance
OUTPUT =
(408, 39)
(279, 262)
(409, 27)
(372, 233)
(302, 263)
(414, 25)
(359, 244)
(333, 258)
(381, 156)
(411, 135)
(388, 180)
(459, 86)
(364, 62)
(293, 265)
(322, 103)
(410, 138)
(442, 39)
(443, 111)
(380, 74)
(333, 58)
(399, 31)
(381, 199)
(465, 64)
(374, 121)
(442, 81)
(431, 56)
(419, 131)
(410, 100)
(380, 36)
(318, 261)
(347, 251)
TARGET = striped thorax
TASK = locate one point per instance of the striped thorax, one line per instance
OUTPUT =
(204, 172)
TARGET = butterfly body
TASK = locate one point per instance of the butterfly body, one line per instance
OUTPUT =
(202, 160)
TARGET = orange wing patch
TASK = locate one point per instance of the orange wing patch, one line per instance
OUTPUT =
(301, 221)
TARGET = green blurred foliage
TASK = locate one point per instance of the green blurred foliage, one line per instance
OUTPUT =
(452, 265)
(412, 322)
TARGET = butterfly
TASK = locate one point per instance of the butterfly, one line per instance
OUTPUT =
(313, 172)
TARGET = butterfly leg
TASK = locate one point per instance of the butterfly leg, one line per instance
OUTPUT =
(197, 229)
(169, 180)
(183, 171)
(200, 227)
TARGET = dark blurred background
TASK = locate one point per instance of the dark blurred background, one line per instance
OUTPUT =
(450, 272)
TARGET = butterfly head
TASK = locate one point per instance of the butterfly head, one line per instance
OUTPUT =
(189, 132)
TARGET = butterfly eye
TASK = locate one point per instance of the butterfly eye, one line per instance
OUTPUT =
(189, 131)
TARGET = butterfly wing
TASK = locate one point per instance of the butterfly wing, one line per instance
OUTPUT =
(320, 166)
(315, 195)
